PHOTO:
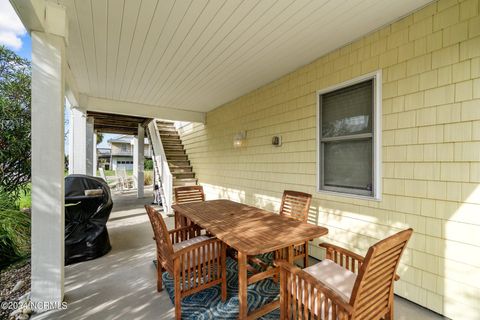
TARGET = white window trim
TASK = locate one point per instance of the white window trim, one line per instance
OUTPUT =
(377, 136)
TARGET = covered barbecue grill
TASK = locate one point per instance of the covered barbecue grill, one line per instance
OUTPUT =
(88, 204)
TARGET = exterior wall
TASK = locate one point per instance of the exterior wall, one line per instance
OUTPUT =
(119, 162)
(117, 149)
(430, 62)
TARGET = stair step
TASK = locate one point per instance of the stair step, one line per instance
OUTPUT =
(173, 147)
(175, 169)
(177, 157)
(169, 136)
(173, 142)
(184, 182)
(165, 124)
(183, 175)
(174, 152)
(167, 130)
(178, 163)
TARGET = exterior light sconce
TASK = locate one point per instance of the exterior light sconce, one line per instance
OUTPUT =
(277, 141)
(239, 140)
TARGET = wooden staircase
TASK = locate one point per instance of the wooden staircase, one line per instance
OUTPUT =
(177, 158)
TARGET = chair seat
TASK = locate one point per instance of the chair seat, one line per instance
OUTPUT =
(334, 276)
(187, 243)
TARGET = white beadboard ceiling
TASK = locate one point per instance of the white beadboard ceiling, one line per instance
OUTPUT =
(198, 54)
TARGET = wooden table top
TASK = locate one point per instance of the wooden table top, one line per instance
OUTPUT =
(248, 229)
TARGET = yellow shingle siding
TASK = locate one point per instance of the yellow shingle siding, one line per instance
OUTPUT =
(430, 61)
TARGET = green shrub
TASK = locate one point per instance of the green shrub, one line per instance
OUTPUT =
(148, 164)
(14, 232)
(7, 201)
(25, 198)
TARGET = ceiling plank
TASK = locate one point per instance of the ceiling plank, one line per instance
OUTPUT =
(115, 11)
(129, 24)
(143, 65)
(168, 32)
(143, 27)
(100, 20)
(87, 38)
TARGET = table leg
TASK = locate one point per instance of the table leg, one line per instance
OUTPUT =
(290, 253)
(242, 285)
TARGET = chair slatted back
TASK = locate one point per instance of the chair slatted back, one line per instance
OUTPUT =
(189, 194)
(295, 205)
(162, 238)
(372, 294)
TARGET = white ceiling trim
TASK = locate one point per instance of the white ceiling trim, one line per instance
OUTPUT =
(138, 109)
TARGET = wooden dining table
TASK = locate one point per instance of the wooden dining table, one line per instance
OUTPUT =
(251, 231)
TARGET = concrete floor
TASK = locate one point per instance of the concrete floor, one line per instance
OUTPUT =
(122, 284)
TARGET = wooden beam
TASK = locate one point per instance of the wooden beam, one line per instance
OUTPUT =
(116, 130)
(117, 123)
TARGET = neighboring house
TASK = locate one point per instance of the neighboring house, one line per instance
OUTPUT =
(103, 157)
(121, 153)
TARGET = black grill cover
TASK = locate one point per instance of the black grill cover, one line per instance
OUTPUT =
(86, 235)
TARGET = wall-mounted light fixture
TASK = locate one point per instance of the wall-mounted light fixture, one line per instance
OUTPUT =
(276, 141)
(239, 139)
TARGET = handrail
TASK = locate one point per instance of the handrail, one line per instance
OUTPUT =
(160, 162)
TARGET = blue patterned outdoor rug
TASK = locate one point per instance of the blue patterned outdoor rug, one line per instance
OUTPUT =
(207, 304)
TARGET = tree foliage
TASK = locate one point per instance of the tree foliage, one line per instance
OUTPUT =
(15, 125)
(99, 137)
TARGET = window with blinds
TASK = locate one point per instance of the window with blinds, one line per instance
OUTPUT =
(347, 137)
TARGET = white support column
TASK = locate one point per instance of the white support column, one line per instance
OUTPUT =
(95, 156)
(48, 99)
(90, 134)
(138, 160)
(77, 146)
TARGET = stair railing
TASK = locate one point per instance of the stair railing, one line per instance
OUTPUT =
(165, 178)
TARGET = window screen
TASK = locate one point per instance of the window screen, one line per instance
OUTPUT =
(346, 139)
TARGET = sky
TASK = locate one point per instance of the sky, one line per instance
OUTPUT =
(14, 36)
(12, 32)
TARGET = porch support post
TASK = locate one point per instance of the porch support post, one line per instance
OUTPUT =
(95, 156)
(48, 99)
(138, 160)
(77, 146)
(89, 146)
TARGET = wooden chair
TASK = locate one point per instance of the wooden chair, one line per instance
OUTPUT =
(196, 262)
(187, 194)
(296, 205)
(345, 285)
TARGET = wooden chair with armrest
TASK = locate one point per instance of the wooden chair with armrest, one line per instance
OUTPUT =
(345, 285)
(295, 205)
(196, 262)
(187, 194)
